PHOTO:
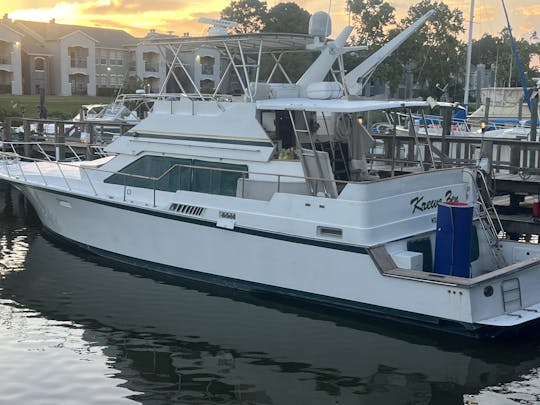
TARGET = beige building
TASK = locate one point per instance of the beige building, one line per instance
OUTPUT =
(69, 59)
(11, 80)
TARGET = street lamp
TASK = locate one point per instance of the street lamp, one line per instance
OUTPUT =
(483, 125)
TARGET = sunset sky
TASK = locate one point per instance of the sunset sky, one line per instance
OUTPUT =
(139, 16)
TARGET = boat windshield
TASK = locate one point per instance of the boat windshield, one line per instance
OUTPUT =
(114, 111)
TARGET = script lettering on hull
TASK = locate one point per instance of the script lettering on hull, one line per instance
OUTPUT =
(420, 204)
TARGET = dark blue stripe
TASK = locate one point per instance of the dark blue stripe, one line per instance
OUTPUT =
(202, 139)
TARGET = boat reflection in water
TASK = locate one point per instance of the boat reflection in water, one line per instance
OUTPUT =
(174, 344)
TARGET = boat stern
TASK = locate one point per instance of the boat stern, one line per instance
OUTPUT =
(509, 296)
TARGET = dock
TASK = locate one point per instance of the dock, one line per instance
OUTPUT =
(54, 139)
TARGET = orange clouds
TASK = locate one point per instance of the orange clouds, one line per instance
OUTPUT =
(179, 16)
(533, 11)
(484, 14)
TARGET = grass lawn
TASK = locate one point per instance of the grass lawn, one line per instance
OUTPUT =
(57, 106)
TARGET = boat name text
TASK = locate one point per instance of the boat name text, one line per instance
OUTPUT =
(418, 203)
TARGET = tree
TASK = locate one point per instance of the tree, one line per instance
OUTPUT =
(496, 52)
(434, 54)
(369, 18)
(485, 50)
(287, 17)
(249, 14)
(132, 84)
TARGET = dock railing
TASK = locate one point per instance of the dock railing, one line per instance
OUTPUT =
(513, 156)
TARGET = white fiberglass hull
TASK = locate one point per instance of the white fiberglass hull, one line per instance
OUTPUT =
(330, 273)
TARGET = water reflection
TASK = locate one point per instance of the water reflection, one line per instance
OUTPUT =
(167, 343)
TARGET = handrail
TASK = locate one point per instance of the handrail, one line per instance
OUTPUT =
(244, 173)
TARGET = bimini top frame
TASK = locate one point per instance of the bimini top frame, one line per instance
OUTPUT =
(243, 52)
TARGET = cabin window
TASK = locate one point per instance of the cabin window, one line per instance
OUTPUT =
(204, 177)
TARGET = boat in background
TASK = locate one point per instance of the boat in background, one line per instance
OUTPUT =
(247, 195)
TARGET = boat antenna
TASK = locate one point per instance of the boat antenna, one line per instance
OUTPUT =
(516, 57)
(328, 20)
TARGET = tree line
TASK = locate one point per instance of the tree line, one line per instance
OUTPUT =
(435, 55)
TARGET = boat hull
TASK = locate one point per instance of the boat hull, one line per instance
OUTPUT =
(195, 250)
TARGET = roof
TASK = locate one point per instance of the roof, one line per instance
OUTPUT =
(105, 37)
(251, 42)
(335, 105)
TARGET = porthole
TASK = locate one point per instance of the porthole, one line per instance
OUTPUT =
(488, 291)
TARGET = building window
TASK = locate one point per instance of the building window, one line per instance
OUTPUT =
(116, 58)
(207, 65)
(101, 57)
(206, 86)
(39, 64)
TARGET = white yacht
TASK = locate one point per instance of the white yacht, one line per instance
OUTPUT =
(247, 194)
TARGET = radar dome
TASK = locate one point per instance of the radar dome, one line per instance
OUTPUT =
(320, 25)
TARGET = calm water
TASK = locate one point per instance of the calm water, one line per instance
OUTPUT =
(74, 330)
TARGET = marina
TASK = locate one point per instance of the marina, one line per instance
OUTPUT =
(261, 175)
(260, 222)
(70, 311)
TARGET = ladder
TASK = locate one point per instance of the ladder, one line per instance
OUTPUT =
(489, 220)
(313, 183)
(420, 145)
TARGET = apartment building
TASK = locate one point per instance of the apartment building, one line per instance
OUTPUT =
(70, 59)
(10, 60)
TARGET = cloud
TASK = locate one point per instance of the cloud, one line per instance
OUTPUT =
(484, 14)
(138, 16)
(533, 10)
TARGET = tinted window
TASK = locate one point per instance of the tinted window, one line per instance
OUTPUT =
(204, 177)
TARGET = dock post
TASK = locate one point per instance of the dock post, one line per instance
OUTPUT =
(60, 142)
(26, 138)
(534, 122)
(91, 141)
(486, 150)
(446, 129)
(6, 136)
(394, 148)
(486, 111)
(515, 159)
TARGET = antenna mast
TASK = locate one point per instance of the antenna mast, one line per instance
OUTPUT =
(468, 63)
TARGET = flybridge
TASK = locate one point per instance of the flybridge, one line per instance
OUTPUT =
(239, 59)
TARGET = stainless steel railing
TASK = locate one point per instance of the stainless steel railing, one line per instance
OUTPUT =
(12, 159)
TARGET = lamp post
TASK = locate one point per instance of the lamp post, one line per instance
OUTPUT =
(483, 126)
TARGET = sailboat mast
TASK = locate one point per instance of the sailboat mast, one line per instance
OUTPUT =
(468, 63)
(518, 62)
